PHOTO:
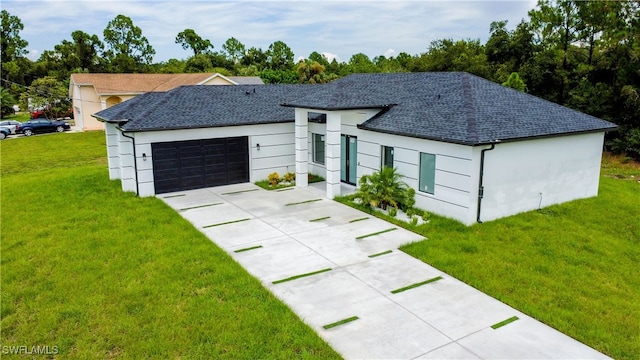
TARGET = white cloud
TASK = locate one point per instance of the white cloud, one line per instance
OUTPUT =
(340, 27)
(331, 56)
(389, 53)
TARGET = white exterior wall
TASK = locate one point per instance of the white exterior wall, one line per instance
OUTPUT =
(276, 152)
(456, 177)
(528, 175)
(113, 150)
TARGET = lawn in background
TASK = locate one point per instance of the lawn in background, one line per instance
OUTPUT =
(573, 266)
(94, 272)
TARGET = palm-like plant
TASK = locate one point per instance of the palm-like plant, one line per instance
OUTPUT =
(384, 188)
(6, 101)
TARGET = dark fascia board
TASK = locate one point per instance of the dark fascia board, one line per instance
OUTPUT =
(101, 119)
(496, 141)
(324, 108)
(209, 126)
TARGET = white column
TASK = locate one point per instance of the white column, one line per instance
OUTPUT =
(332, 160)
(302, 148)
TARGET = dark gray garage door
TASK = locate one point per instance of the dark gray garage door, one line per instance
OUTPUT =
(194, 164)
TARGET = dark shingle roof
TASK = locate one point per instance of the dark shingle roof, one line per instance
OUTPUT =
(453, 107)
(207, 106)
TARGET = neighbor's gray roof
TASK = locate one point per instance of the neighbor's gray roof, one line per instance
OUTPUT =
(206, 106)
(453, 107)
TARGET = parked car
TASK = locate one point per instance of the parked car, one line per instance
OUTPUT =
(47, 113)
(10, 124)
(37, 126)
(4, 132)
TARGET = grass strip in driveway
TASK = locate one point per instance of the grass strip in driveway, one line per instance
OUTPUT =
(226, 223)
(200, 206)
(239, 191)
(375, 233)
(359, 219)
(247, 249)
(413, 286)
(302, 202)
(320, 219)
(106, 274)
(301, 276)
(173, 196)
(341, 322)
(381, 253)
(505, 322)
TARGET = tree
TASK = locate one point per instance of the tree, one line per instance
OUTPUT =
(81, 54)
(13, 46)
(7, 101)
(515, 82)
(47, 93)
(279, 56)
(447, 55)
(311, 72)
(190, 40)
(319, 58)
(360, 63)
(256, 57)
(234, 49)
(14, 64)
(128, 50)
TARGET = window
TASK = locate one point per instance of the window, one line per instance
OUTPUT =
(387, 156)
(427, 172)
(318, 148)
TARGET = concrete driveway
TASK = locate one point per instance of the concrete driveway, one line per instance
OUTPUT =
(340, 270)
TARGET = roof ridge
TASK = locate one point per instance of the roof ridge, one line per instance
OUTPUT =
(469, 107)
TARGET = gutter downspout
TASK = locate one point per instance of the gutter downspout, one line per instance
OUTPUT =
(135, 159)
(480, 185)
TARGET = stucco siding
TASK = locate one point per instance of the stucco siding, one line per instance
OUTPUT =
(275, 154)
(113, 151)
(454, 184)
(528, 175)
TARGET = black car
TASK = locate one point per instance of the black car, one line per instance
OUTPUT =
(4, 132)
(36, 126)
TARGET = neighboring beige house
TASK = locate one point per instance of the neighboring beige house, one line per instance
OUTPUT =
(91, 93)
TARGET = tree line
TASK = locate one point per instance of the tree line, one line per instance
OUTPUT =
(580, 54)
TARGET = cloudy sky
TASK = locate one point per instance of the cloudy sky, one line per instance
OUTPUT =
(336, 28)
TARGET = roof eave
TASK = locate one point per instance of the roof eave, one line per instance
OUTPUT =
(488, 142)
(207, 126)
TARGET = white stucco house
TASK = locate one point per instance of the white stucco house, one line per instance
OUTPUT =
(473, 150)
(90, 93)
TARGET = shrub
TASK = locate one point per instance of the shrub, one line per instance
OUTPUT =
(414, 220)
(383, 188)
(393, 211)
(289, 177)
(274, 179)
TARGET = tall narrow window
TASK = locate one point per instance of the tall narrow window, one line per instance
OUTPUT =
(427, 173)
(387, 156)
(318, 148)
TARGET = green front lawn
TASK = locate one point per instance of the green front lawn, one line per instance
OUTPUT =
(574, 266)
(93, 272)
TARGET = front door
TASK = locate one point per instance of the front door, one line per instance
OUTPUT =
(348, 159)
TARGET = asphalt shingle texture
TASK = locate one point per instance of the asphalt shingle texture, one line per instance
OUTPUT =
(453, 107)
(207, 106)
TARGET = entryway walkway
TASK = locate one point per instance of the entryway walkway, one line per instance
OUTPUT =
(341, 271)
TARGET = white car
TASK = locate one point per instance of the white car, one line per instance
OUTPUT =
(10, 124)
